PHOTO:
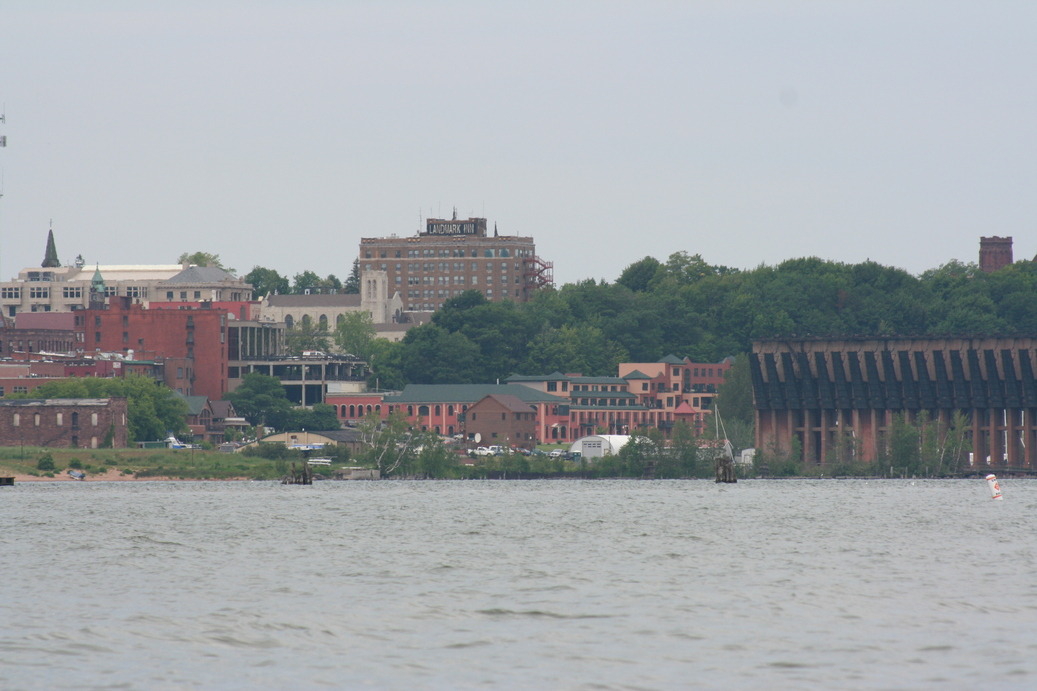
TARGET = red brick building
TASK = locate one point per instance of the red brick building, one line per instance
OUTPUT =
(451, 256)
(82, 423)
(566, 406)
(502, 420)
(193, 342)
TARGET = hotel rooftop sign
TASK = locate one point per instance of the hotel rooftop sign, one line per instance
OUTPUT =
(440, 226)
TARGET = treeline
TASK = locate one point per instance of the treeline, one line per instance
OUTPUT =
(688, 307)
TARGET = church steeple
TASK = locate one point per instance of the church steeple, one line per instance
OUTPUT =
(97, 290)
(50, 258)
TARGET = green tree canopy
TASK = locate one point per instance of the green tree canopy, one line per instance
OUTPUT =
(203, 259)
(261, 399)
(307, 335)
(355, 334)
(267, 282)
(319, 417)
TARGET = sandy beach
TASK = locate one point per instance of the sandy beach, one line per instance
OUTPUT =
(110, 475)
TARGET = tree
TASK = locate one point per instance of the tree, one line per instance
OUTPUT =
(389, 444)
(203, 259)
(306, 281)
(641, 275)
(903, 452)
(319, 417)
(307, 335)
(355, 334)
(735, 396)
(261, 400)
(352, 284)
(266, 282)
(578, 348)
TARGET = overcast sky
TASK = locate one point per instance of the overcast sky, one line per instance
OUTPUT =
(278, 134)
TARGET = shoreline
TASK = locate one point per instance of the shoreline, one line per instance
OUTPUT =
(113, 476)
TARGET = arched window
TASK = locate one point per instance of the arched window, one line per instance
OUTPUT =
(352, 411)
(410, 410)
(438, 411)
(323, 321)
(378, 409)
(288, 321)
(340, 319)
(423, 410)
(450, 410)
(306, 320)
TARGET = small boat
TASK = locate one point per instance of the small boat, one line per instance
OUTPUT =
(76, 474)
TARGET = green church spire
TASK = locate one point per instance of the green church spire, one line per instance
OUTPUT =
(50, 258)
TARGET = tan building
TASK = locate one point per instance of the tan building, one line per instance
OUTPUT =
(385, 307)
(452, 256)
(67, 288)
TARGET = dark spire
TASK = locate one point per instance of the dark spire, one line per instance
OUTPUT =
(50, 259)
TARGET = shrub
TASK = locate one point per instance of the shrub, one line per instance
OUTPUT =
(46, 462)
(74, 463)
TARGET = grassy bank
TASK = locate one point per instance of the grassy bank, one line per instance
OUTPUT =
(195, 464)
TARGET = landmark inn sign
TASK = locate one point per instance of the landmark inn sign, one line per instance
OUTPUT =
(439, 226)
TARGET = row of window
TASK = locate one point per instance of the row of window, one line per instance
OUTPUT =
(441, 267)
(448, 280)
(76, 292)
(415, 253)
(445, 293)
(59, 418)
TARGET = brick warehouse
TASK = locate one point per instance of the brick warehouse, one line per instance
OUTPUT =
(82, 423)
(822, 391)
(195, 340)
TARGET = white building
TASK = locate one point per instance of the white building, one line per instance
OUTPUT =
(599, 445)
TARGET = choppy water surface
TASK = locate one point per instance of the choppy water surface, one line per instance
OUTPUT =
(518, 585)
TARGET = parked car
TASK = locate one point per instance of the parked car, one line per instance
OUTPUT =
(556, 453)
(483, 451)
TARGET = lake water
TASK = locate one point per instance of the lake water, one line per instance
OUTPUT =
(834, 584)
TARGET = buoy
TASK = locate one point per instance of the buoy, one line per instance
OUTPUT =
(995, 488)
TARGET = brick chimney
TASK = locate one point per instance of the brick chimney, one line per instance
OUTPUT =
(994, 253)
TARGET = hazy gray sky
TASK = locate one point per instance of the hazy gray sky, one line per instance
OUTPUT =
(277, 134)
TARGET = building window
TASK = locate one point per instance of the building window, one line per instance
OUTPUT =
(11, 293)
(39, 292)
(72, 292)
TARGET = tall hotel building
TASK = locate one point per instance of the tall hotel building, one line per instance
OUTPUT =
(453, 256)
